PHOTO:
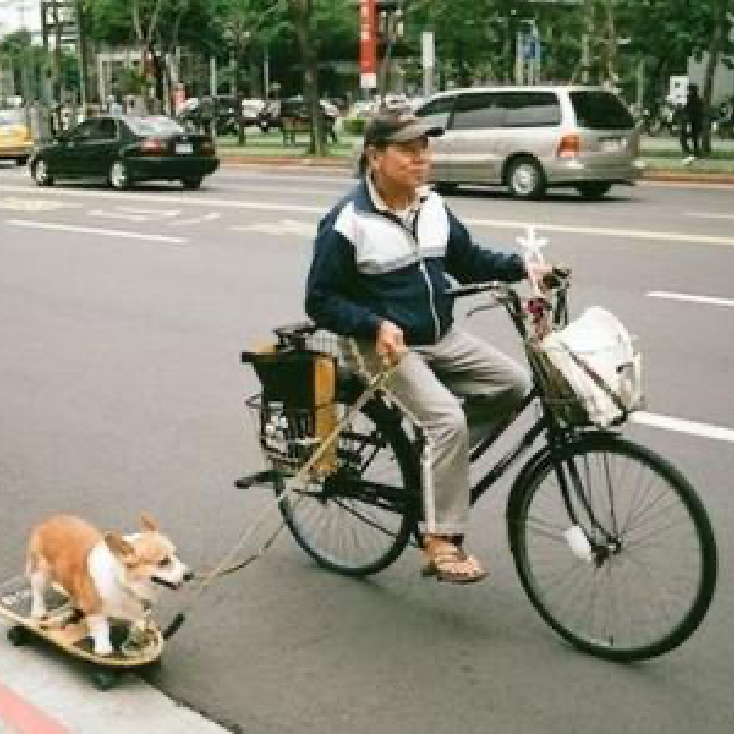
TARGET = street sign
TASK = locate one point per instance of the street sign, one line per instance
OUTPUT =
(532, 48)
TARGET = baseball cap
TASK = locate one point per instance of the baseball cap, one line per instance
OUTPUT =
(398, 128)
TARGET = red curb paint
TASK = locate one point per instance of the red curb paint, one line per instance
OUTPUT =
(24, 718)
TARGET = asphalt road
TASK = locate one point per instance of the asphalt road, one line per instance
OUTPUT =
(122, 316)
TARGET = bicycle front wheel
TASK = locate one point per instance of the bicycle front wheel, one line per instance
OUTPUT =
(359, 520)
(639, 580)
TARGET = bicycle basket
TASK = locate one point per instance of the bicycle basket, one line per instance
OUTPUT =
(296, 410)
(589, 372)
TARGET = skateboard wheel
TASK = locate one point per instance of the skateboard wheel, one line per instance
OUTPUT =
(18, 635)
(104, 680)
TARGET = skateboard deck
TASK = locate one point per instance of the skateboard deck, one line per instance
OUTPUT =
(64, 627)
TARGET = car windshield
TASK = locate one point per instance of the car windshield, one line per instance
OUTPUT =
(154, 126)
(10, 117)
(599, 110)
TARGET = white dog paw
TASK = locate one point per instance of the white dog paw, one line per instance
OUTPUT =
(103, 648)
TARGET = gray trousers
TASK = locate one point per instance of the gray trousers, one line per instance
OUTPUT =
(434, 385)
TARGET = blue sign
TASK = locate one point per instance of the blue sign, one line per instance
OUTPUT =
(531, 48)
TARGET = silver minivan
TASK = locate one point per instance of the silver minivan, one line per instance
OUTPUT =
(532, 138)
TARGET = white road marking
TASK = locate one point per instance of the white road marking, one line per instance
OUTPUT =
(188, 201)
(119, 215)
(197, 220)
(151, 212)
(679, 425)
(709, 215)
(708, 300)
(643, 234)
(13, 203)
(283, 227)
(55, 226)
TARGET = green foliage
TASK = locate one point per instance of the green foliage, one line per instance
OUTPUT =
(355, 125)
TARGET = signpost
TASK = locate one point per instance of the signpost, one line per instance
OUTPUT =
(368, 44)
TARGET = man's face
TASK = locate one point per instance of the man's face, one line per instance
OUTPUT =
(406, 165)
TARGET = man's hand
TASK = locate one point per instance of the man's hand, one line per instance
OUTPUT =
(535, 271)
(389, 345)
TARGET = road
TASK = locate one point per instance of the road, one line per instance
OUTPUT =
(122, 316)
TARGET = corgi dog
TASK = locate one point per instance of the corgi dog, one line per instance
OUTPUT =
(106, 575)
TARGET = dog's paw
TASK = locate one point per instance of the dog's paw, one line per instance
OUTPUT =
(104, 649)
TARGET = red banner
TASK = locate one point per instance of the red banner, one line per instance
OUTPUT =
(368, 44)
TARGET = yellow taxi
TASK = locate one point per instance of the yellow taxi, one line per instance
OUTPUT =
(16, 141)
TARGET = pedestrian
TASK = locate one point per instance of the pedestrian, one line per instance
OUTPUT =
(691, 125)
(382, 264)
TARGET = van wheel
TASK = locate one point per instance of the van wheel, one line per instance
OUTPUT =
(526, 178)
(592, 190)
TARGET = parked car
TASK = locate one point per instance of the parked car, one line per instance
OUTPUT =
(292, 114)
(125, 149)
(16, 141)
(532, 138)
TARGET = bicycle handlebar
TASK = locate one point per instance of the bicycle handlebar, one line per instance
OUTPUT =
(557, 279)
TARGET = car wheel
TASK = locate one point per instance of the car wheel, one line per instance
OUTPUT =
(119, 178)
(194, 182)
(22, 160)
(593, 189)
(526, 179)
(40, 173)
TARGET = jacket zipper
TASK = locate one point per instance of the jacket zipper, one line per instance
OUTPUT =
(413, 232)
(429, 285)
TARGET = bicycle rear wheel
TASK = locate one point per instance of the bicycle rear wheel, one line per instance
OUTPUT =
(358, 520)
(651, 564)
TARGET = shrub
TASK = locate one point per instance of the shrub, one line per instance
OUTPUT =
(354, 125)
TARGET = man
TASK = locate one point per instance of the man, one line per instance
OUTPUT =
(691, 124)
(380, 273)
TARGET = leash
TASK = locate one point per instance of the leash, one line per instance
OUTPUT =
(227, 565)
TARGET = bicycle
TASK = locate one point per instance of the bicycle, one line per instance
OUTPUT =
(612, 545)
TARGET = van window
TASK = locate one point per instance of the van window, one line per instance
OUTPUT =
(531, 109)
(477, 111)
(437, 111)
(599, 110)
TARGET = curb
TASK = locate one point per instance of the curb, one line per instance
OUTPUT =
(336, 164)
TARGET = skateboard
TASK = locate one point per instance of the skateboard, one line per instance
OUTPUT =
(64, 628)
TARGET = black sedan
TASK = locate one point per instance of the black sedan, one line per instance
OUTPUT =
(125, 149)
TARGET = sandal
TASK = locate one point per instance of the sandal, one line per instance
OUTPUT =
(452, 564)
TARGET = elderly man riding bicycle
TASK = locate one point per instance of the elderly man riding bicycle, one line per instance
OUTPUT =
(381, 270)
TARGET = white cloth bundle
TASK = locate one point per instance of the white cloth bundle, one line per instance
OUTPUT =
(596, 356)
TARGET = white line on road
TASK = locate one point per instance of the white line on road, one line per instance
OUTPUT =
(652, 235)
(55, 226)
(151, 212)
(643, 234)
(198, 220)
(709, 215)
(679, 425)
(119, 215)
(709, 300)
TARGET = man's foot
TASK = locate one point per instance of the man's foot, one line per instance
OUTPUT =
(688, 160)
(448, 563)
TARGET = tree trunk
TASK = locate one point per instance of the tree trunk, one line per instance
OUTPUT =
(303, 12)
(718, 39)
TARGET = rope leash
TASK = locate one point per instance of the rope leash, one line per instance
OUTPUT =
(226, 565)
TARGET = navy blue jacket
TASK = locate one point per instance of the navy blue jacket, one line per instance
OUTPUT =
(368, 266)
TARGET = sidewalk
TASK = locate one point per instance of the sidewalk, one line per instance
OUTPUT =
(45, 692)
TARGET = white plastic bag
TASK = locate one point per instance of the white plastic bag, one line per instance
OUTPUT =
(596, 356)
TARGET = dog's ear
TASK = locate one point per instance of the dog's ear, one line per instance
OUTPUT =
(118, 545)
(148, 523)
